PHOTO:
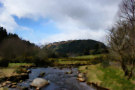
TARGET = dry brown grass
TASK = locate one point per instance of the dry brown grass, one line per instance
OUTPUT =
(6, 72)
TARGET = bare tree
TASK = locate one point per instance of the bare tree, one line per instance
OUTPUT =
(122, 37)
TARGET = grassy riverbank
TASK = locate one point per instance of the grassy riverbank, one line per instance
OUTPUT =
(110, 77)
(89, 56)
(14, 65)
(6, 72)
(79, 60)
(11, 69)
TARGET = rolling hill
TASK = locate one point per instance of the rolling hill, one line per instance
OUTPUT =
(77, 47)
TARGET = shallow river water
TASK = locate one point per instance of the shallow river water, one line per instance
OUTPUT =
(58, 78)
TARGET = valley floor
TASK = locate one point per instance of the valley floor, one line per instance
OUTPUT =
(111, 76)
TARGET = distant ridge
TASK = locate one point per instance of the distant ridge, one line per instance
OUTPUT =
(77, 47)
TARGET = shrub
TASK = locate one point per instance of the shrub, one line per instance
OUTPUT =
(20, 70)
(105, 61)
(42, 62)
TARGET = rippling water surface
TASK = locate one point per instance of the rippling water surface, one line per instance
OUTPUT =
(58, 78)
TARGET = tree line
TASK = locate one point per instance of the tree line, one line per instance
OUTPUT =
(14, 49)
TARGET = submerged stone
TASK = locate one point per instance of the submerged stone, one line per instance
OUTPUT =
(42, 74)
(80, 75)
(81, 79)
(69, 72)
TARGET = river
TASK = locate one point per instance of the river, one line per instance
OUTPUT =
(58, 78)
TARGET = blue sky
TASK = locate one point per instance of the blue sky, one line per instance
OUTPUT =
(37, 29)
(46, 21)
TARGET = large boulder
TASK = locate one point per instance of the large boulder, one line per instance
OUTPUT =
(39, 83)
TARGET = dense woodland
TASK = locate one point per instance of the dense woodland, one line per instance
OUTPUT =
(15, 49)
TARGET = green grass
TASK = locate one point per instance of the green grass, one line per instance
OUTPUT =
(14, 65)
(73, 62)
(85, 60)
(68, 61)
(88, 56)
(6, 72)
(110, 77)
(10, 70)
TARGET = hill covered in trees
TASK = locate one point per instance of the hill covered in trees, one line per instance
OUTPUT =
(14, 49)
(12, 46)
(77, 47)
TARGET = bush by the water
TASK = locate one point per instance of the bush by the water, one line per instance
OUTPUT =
(103, 59)
(42, 62)
(20, 70)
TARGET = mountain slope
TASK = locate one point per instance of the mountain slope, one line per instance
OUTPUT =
(76, 47)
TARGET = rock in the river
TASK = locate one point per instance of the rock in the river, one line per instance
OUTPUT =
(13, 86)
(69, 72)
(81, 79)
(14, 83)
(4, 84)
(80, 75)
(8, 82)
(39, 83)
(42, 74)
(28, 71)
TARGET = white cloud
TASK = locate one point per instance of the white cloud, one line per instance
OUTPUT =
(6, 20)
(75, 18)
(79, 34)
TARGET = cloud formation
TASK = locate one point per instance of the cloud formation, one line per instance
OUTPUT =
(77, 19)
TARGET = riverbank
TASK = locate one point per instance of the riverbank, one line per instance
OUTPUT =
(100, 75)
(12, 67)
(78, 61)
(13, 74)
(110, 77)
(15, 69)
